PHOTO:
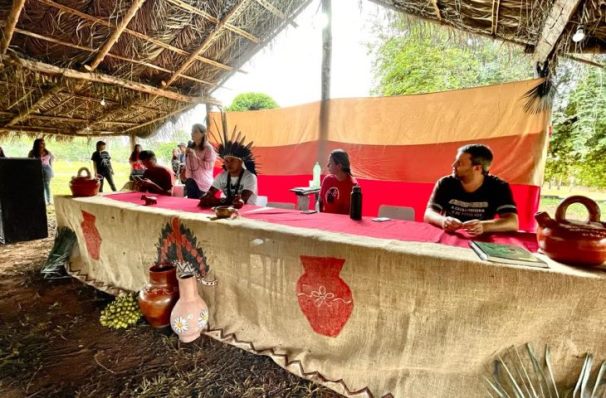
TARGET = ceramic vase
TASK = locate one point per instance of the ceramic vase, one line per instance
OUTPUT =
(159, 296)
(190, 315)
(323, 296)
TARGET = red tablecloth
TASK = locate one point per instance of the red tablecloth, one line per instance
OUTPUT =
(393, 229)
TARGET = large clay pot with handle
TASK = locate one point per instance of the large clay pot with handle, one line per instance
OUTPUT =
(157, 299)
(84, 185)
(573, 242)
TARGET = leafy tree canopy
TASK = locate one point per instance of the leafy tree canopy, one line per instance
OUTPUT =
(252, 102)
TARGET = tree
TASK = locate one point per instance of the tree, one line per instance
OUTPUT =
(416, 58)
(252, 102)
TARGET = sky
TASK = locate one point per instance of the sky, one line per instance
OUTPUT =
(289, 68)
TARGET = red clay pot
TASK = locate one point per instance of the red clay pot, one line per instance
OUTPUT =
(573, 242)
(84, 185)
(157, 299)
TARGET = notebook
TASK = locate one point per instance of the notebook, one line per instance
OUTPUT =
(507, 254)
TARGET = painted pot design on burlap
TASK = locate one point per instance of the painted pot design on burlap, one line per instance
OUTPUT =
(324, 297)
(159, 296)
(189, 317)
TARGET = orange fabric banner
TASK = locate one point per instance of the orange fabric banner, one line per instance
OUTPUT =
(405, 138)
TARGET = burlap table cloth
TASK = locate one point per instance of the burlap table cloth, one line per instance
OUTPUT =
(425, 320)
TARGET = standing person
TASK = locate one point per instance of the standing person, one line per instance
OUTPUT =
(470, 198)
(103, 166)
(136, 165)
(335, 192)
(39, 151)
(176, 161)
(199, 162)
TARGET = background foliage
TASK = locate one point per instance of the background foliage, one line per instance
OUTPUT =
(251, 102)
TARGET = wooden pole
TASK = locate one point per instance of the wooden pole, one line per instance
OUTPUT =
(113, 38)
(95, 20)
(11, 23)
(35, 106)
(271, 8)
(326, 66)
(108, 79)
(133, 142)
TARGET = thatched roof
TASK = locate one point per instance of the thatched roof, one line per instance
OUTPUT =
(122, 67)
(544, 27)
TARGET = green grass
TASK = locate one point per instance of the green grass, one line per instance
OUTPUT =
(65, 170)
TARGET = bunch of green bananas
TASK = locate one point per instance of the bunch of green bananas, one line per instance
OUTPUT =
(121, 313)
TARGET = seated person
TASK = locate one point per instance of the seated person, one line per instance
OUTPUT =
(335, 193)
(238, 180)
(470, 198)
(156, 179)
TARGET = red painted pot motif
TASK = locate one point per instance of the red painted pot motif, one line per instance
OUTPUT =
(157, 299)
(324, 297)
(91, 235)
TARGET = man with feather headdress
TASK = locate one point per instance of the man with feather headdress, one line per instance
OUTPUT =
(239, 179)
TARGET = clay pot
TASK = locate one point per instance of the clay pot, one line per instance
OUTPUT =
(573, 242)
(84, 185)
(190, 315)
(157, 299)
(323, 296)
(224, 211)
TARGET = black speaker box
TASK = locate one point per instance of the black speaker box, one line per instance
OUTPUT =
(22, 205)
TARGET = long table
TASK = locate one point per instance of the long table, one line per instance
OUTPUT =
(365, 316)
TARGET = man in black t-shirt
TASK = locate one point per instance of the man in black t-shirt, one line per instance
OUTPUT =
(103, 166)
(470, 198)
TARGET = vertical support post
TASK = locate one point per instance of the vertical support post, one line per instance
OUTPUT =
(133, 142)
(326, 67)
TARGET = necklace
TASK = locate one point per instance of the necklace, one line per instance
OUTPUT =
(230, 194)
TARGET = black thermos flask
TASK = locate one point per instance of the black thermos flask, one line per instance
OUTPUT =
(355, 208)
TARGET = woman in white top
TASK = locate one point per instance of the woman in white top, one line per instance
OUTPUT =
(39, 151)
(200, 159)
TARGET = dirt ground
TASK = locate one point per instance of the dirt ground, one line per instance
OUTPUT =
(52, 345)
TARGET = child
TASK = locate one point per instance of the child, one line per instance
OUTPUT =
(103, 166)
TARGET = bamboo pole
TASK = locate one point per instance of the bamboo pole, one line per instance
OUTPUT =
(89, 49)
(113, 38)
(210, 39)
(274, 10)
(124, 132)
(141, 36)
(41, 67)
(241, 32)
(35, 106)
(11, 23)
(496, 4)
(326, 66)
(558, 17)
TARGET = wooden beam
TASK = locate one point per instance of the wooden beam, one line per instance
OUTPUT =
(496, 4)
(436, 9)
(210, 39)
(555, 23)
(188, 7)
(54, 118)
(11, 23)
(271, 8)
(52, 130)
(113, 38)
(41, 67)
(34, 107)
(89, 49)
(95, 20)
(586, 59)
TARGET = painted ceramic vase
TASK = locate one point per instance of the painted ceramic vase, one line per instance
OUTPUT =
(157, 299)
(324, 297)
(190, 315)
(573, 242)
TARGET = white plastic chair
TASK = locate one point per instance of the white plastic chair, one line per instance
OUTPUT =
(281, 205)
(262, 200)
(397, 212)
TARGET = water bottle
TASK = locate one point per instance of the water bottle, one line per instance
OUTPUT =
(355, 207)
(316, 173)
